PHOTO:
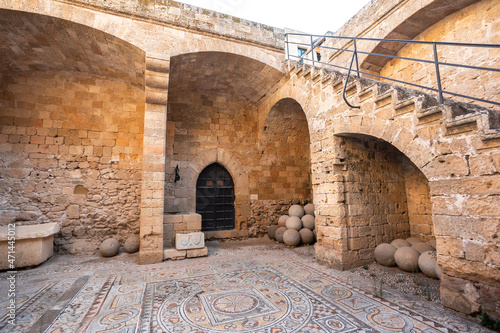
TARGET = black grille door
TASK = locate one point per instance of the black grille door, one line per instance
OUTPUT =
(215, 198)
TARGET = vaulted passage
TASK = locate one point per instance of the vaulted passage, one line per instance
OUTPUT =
(215, 198)
(381, 195)
(213, 117)
(71, 129)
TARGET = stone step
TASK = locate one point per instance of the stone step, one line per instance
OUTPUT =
(457, 117)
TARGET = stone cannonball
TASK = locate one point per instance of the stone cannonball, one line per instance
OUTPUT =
(427, 263)
(422, 247)
(282, 220)
(132, 244)
(306, 236)
(296, 210)
(407, 259)
(397, 243)
(432, 242)
(309, 209)
(279, 234)
(291, 237)
(384, 254)
(413, 240)
(294, 222)
(439, 272)
(271, 231)
(109, 247)
(308, 221)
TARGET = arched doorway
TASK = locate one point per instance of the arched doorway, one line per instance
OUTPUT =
(215, 198)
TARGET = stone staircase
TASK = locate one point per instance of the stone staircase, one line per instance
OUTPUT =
(457, 117)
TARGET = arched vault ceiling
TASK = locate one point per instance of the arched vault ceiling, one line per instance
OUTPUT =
(411, 27)
(215, 73)
(32, 42)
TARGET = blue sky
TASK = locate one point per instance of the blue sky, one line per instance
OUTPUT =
(316, 17)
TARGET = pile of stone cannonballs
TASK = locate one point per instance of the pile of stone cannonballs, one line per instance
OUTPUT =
(410, 255)
(110, 247)
(295, 228)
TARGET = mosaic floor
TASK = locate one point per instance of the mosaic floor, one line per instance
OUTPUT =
(272, 291)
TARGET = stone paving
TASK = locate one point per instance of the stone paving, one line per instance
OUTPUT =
(252, 286)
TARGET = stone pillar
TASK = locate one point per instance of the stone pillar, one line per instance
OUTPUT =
(153, 176)
(331, 222)
(327, 168)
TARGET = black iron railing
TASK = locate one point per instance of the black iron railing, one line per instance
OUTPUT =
(314, 42)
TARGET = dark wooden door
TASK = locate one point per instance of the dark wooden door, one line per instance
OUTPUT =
(215, 198)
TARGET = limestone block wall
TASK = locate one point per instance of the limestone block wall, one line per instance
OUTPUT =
(375, 196)
(200, 123)
(477, 23)
(71, 153)
(418, 200)
(198, 19)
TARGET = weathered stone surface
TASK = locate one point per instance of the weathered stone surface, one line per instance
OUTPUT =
(174, 254)
(109, 247)
(279, 234)
(195, 253)
(34, 244)
(438, 270)
(282, 220)
(427, 263)
(309, 209)
(407, 259)
(194, 240)
(384, 254)
(308, 221)
(291, 237)
(296, 210)
(294, 222)
(306, 236)
(460, 295)
(422, 247)
(271, 231)
(397, 243)
(413, 240)
(132, 244)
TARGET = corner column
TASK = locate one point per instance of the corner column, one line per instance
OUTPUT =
(153, 172)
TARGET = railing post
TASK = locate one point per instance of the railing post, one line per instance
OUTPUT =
(356, 55)
(312, 49)
(287, 48)
(438, 75)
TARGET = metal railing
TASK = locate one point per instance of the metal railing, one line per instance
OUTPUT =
(317, 41)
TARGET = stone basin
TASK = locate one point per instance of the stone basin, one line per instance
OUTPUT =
(33, 244)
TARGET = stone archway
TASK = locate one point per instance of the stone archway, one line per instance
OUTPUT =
(374, 195)
(75, 115)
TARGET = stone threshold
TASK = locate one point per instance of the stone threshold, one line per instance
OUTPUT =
(224, 234)
(171, 253)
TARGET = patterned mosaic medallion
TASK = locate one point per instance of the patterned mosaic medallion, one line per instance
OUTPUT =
(246, 302)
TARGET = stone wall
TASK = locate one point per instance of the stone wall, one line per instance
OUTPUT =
(375, 196)
(182, 15)
(71, 152)
(418, 201)
(477, 23)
